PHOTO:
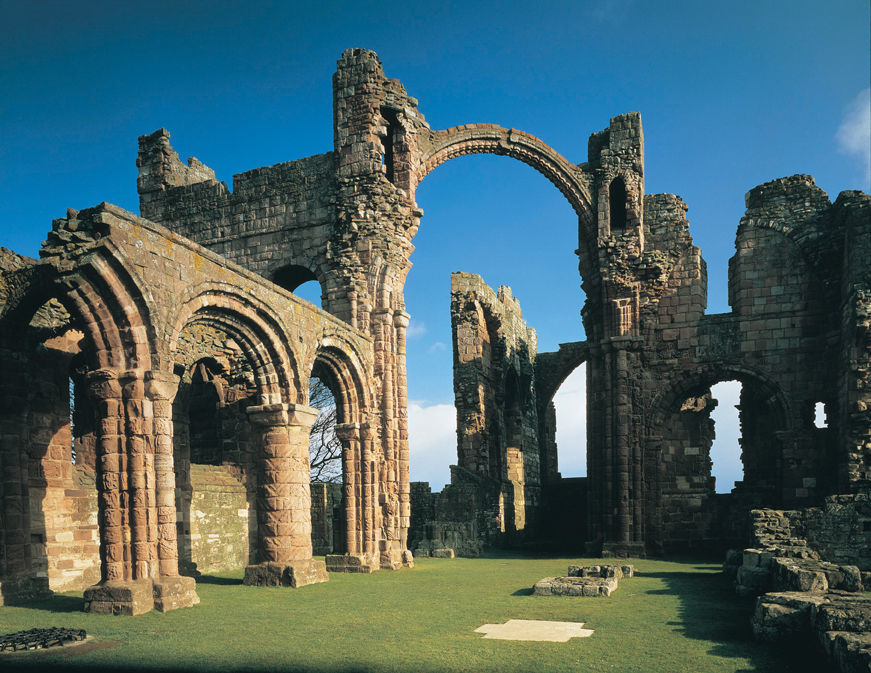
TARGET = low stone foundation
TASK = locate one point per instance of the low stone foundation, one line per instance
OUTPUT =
(350, 563)
(808, 596)
(606, 570)
(294, 574)
(575, 586)
(24, 589)
(136, 597)
(597, 580)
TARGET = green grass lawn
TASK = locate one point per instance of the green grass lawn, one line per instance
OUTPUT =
(676, 616)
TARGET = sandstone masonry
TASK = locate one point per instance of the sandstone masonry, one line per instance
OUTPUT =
(177, 342)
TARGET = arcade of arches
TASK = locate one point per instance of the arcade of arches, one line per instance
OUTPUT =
(190, 358)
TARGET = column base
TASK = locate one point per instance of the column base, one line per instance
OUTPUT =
(407, 559)
(391, 559)
(23, 590)
(290, 574)
(171, 593)
(122, 597)
(136, 597)
(351, 563)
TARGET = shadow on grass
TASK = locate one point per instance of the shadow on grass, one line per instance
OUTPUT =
(57, 603)
(711, 611)
(525, 591)
(23, 662)
(224, 581)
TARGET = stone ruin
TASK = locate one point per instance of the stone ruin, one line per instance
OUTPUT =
(597, 580)
(800, 596)
(153, 399)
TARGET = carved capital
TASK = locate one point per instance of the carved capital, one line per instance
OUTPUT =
(103, 384)
(160, 385)
(348, 431)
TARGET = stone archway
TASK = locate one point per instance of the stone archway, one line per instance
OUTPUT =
(679, 487)
(339, 367)
(284, 554)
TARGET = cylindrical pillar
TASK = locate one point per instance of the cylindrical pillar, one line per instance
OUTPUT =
(284, 498)
(105, 391)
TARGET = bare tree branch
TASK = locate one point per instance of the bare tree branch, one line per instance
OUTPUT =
(325, 449)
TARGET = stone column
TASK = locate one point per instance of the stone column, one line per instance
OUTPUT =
(371, 515)
(284, 498)
(354, 560)
(400, 323)
(127, 483)
(170, 590)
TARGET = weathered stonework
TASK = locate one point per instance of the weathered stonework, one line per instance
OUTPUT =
(183, 344)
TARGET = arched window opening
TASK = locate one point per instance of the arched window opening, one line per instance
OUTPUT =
(570, 421)
(205, 400)
(81, 414)
(301, 281)
(388, 157)
(726, 457)
(821, 419)
(325, 449)
(325, 461)
(617, 204)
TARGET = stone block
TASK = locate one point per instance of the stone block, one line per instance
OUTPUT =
(120, 597)
(443, 552)
(784, 615)
(850, 652)
(296, 574)
(813, 575)
(844, 611)
(171, 593)
(350, 563)
(605, 570)
(757, 558)
(575, 586)
(25, 589)
(789, 575)
(752, 581)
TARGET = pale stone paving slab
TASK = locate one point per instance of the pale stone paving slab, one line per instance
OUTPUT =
(533, 629)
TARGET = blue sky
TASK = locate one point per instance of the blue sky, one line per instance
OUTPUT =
(731, 95)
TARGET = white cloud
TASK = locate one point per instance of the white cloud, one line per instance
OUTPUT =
(432, 440)
(436, 347)
(726, 452)
(415, 329)
(854, 133)
(571, 424)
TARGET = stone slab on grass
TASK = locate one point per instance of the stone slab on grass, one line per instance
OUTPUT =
(575, 586)
(533, 629)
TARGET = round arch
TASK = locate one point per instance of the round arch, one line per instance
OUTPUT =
(260, 336)
(699, 380)
(469, 139)
(493, 139)
(340, 367)
(678, 471)
(104, 299)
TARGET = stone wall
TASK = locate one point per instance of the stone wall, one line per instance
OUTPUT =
(497, 416)
(839, 530)
(223, 520)
(328, 528)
